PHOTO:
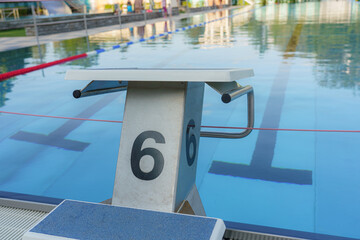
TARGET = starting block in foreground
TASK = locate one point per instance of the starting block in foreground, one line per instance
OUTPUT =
(158, 151)
(80, 220)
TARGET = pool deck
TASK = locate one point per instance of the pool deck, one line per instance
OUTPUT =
(11, 43)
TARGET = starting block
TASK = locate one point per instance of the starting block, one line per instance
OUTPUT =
(73, 220)
(158, 151)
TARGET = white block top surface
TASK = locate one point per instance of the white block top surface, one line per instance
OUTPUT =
(160, 75)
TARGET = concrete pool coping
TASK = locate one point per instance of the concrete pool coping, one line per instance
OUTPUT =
(21, 213)
(26, 210)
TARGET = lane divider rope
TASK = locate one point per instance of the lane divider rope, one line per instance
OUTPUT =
(7, 75)
(217, 127)
(14, 73)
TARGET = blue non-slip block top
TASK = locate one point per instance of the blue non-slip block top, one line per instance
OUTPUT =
(89, 221)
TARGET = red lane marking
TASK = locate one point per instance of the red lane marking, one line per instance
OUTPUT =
(4, 76)
(69, 118)
(218, 127)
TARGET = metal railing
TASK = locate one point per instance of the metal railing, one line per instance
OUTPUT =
(8, 12)
(101, 87)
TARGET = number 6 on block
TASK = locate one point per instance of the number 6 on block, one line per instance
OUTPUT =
(190, 139)
(137, 154)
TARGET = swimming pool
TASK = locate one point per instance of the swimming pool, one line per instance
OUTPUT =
(307, 76)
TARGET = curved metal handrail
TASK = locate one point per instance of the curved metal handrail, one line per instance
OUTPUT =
(227, 97)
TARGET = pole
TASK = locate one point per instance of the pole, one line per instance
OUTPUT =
(2, 15)
(86, 29)
(36, 32)
(119, 16)
(145, 15)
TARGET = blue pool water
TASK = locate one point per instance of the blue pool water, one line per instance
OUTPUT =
(306, 59)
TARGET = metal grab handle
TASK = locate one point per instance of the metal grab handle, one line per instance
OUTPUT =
(250, 109)
(235, 93)
(100, 87)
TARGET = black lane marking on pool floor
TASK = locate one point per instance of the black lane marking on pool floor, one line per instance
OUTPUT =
(57, 137)
(260, 166)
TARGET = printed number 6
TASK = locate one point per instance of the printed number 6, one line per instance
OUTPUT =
(190, 139)
(137, 154)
